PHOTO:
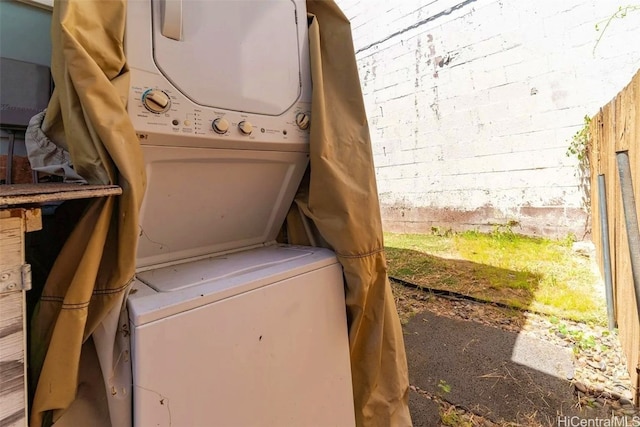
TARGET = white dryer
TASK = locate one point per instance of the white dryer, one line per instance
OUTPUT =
(227, 327)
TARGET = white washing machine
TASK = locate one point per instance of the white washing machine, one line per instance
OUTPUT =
(227, 327)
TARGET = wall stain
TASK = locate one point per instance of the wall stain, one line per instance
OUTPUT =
(550, 221)
(434, 105)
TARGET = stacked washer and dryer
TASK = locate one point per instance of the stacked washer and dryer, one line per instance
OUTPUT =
(227, 327)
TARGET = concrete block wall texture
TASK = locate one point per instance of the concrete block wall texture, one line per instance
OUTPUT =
(472, 105)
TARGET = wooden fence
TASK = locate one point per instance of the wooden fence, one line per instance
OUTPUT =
(615, 129)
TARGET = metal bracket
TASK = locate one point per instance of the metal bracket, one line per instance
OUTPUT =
(16, 279)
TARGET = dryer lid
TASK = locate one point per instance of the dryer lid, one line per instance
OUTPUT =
(240, 55)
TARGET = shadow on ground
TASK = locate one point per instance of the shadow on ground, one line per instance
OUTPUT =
(485, 282)
(502, 375)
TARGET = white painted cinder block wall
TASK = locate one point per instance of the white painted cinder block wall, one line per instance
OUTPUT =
(472, 105)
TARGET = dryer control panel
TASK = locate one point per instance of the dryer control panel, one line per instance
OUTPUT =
(159, 111)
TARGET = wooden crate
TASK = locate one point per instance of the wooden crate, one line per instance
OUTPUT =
(14, 282)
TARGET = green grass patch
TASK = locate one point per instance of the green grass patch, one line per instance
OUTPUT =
(525, 272)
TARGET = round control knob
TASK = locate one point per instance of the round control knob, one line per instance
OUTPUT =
(302, 120)
(245, 127)
(220, 125)
(156, 101)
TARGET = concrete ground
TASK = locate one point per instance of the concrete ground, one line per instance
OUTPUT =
(502, 376)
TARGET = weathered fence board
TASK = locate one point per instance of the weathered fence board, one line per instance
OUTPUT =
(616, 128)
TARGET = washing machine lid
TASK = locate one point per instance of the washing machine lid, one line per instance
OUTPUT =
(181, 276)
(160, 293)
(240, 55)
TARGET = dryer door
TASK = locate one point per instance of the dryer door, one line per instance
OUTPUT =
(241, 55)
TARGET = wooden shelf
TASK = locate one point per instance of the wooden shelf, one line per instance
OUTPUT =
(26, 194)
(20, 213)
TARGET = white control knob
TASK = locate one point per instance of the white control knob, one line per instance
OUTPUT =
(220, 125)
(302, 120)
(156, 101)
(245, 127)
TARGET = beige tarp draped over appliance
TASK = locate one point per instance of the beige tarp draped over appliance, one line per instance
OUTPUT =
(87, 115)
(341, 199)
(90, 277)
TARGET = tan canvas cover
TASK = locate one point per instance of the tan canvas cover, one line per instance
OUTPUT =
(336, 206)
(341, 199)
(87, 114)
